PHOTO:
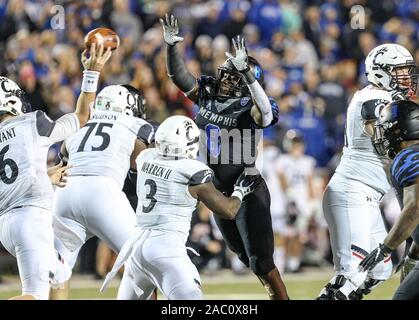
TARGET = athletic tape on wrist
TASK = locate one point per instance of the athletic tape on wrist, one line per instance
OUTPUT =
(90, 81)
(237, 194)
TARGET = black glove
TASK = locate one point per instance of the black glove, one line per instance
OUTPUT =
(245, 184)
(375, 257)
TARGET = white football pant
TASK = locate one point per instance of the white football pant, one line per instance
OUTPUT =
(159, 260)
(27, 234)
(91, 206)
(356, 227)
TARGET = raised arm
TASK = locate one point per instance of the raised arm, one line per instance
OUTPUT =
(262, 110)
(92, 67)
(176, 68)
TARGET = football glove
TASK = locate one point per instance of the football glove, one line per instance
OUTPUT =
(240, 59)
(170, 30)
(375, 257)
(245, 184)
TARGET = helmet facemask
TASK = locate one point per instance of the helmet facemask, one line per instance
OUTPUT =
(381, 143)
(136, 102)
(228, 82)
(404, 78)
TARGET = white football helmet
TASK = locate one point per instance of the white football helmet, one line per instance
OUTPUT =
(11, 98)
(384, 66)
(119, 99)
(177, 137)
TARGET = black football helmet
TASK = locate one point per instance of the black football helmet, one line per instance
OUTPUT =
(398, 122)
(229, 82)
(138, 106)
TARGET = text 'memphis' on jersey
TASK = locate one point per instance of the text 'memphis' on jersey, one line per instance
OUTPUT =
(405, 170)
(103, 147)
(24, 145)
(164, 201)
(229, 135)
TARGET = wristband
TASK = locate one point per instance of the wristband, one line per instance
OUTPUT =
(90, 81)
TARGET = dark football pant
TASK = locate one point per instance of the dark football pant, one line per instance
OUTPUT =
(409, 288)
(250, 234)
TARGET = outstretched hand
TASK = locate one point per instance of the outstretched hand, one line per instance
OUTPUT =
(240, 58)
(170, 30)
(96, 58)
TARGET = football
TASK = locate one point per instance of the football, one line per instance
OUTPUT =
(107, 36)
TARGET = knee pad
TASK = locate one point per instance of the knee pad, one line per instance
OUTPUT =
(261, 265)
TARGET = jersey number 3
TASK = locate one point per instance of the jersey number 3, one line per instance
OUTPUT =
(7, 163)
(150, 195)
(99, 132)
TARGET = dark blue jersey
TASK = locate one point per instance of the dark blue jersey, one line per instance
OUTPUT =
(229, 135)
(405, 170)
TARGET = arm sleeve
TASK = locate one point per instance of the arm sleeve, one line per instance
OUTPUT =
(146, 134)
(371, 108)
(274, 112)
(262, 103)
(177, 71)
(58, 130)
(200, 177)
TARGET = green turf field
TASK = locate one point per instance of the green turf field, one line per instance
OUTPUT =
(226, 286)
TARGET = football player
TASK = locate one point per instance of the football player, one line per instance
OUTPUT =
(170, 183)
(397, 135)
(25, 189)
(233, 110)
(100, 155)
(295, 172)
(352, 198)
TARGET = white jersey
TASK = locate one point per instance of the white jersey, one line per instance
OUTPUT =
(24, 144)
(297, 172)
(359, 160)
(103, 147)
(164, 201)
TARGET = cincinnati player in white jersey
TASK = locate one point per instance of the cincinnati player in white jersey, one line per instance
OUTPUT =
(170, 184)
(100, 155)
(352, 197)
(26, 192)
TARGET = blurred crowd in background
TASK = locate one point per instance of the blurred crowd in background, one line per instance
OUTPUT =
(312, 56)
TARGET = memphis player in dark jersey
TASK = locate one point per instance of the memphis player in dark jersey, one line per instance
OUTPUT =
(233, 110)
(397, 134)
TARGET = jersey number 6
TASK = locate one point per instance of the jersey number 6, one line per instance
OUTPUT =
(7, 163)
